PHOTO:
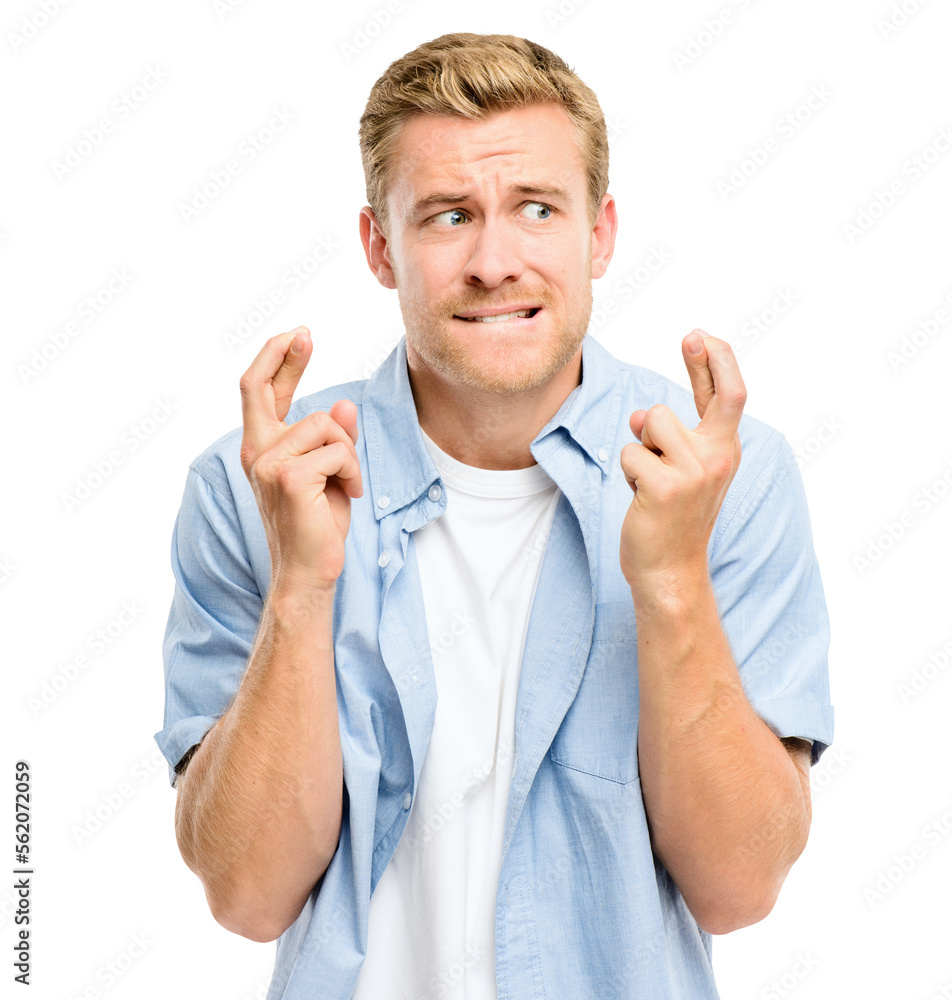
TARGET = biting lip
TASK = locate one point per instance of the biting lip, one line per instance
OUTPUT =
(499, 314)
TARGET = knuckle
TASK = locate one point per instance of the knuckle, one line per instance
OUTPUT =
(666, 488)
(318, 421)
(247, 454)
(738, 396)
(284, 475)
(656, 415)
(722, 464)
(263, 469)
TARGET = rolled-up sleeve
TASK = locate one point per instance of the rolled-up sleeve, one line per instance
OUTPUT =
(215, 613)
(771, 600)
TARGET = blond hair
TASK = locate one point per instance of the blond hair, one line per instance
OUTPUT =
(474, 76)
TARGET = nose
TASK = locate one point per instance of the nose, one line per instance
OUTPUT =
(496, 258)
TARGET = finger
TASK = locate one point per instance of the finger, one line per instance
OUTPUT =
(344, 412)
(695, 355)
(334, 461)
(258, 411)
(288, 376)
(312, 434)
(637, 463)
(637, 424)
(309, 433)
(726, 406)
(664, 434)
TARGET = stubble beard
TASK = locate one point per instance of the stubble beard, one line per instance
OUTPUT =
(429, 334)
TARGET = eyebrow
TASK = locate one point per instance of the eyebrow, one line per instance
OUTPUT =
(441, 198)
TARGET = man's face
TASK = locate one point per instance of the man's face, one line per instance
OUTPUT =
(490, 219)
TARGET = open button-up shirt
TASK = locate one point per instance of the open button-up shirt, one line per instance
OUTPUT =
(583, 908)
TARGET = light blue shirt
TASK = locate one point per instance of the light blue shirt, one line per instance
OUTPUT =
(583, 908)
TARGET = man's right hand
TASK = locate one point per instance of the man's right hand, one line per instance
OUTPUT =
(303, 475)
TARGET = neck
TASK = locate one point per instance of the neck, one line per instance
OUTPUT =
(488, 430)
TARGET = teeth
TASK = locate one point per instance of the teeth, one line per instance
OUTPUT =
(500, 318)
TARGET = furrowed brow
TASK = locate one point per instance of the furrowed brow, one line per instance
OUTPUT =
(542, 191)
(421, 207)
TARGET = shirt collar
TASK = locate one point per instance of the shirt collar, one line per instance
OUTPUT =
(400, 466)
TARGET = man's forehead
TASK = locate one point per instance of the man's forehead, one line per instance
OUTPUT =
(536, 146)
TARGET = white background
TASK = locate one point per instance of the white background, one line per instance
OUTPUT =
(684, 107)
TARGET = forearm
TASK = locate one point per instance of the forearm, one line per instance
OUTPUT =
(258, 812)
(728, 809)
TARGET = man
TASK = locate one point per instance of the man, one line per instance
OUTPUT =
(487, 676)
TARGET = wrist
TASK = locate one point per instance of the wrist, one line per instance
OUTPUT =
(672, 591)
(289, 596)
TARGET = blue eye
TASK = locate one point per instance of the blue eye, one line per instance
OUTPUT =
(452, 216)
(536, 210)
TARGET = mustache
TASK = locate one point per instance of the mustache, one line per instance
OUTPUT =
(521, 295)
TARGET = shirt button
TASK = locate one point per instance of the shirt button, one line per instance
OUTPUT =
(434, 493)
(406, 801)
(383, 502)
(384, 559)
(602, 455)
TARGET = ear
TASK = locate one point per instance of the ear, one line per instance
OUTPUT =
(375, 248)
(603, 236)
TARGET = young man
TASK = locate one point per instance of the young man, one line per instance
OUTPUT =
(496, 674)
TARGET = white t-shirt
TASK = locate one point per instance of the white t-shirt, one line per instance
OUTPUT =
(432, 914)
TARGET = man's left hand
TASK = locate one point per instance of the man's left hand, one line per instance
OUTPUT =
(680, 477)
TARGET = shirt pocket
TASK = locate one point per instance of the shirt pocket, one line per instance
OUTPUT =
(599, 734)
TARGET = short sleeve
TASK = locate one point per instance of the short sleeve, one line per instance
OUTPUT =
(215, 613)
(770, 597)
